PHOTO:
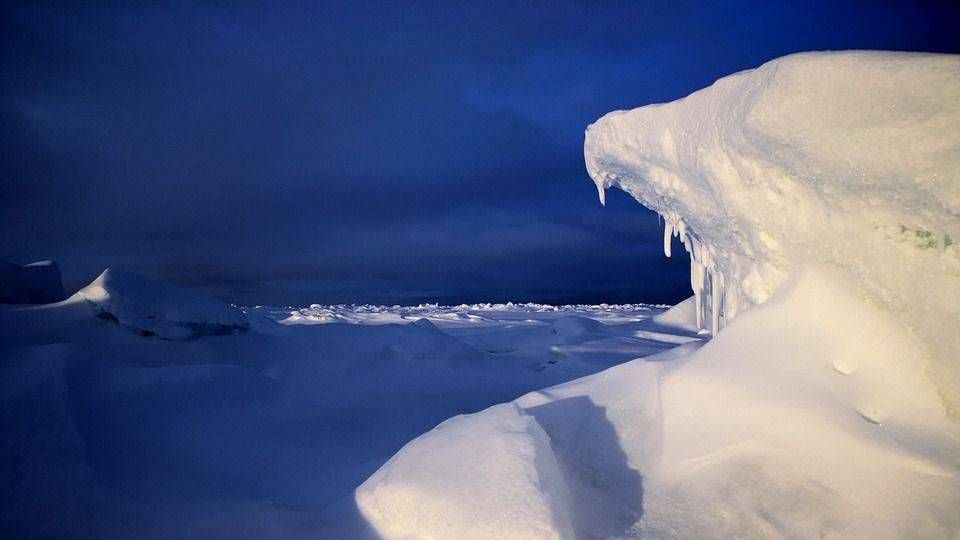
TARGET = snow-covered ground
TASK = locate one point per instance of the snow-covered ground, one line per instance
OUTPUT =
(135, 409)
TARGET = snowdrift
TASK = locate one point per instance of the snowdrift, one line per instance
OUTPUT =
(798, 421)
(818, 196)
(510, 462)
(849, 159)
(154, 308)
(682, 316)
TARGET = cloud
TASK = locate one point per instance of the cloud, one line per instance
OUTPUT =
(337, 151)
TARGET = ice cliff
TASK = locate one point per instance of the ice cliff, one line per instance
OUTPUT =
(849, 161)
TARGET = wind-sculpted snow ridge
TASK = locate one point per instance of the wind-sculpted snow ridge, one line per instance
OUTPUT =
(848, 160)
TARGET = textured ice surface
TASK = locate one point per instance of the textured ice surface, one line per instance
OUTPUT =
(849, 160)
(459, 315)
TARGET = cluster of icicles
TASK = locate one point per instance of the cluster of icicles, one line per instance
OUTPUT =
(705, 276)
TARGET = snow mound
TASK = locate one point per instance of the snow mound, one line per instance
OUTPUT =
(682, 316)
(827, 427)
(153, 308)
(425, 324)
(35, 283)
(798, 421)
(847, 159)
(501, 481)
(572, 326)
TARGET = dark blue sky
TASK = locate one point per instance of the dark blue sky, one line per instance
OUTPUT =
(291, 152)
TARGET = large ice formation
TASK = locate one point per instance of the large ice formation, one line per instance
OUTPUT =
(849, 160)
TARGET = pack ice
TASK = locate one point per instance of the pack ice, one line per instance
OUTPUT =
(818, 196)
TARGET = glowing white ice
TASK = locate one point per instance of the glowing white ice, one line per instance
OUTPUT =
(846, 160)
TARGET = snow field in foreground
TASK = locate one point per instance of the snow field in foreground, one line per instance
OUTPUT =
(132, 427)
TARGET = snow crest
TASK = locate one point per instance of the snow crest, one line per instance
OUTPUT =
(507, 486)
(847, 160)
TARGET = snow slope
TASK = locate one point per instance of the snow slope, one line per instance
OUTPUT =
(819, 197)
(798, 421)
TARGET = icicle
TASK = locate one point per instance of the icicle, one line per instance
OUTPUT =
(667, 237)
(602, 194)
(731, 303)
(701, 297)
(697, 282)
(716, 298)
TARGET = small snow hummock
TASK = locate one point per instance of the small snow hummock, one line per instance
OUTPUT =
(158, 309)
(35, 283)
(682, 316)
(501, 480)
